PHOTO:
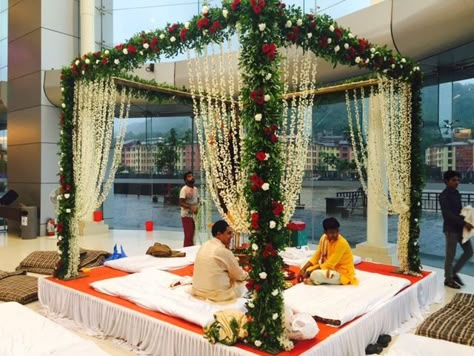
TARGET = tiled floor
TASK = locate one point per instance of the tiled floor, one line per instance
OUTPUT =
(13, 249)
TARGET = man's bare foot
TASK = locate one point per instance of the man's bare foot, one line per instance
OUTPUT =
(308, 281)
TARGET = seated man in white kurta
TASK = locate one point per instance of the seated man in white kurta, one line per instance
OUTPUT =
(217, 274)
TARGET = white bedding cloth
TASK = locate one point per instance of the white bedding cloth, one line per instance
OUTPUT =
(295, 256)
(135, 264)
(151, 289)
(344, 303)
(24, 332)
(415, 345)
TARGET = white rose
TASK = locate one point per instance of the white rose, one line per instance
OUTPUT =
(258, 117)
(288, 24)
(61, 169)
(172, 39)
(258, 343)
(141, 53)
(416, 68)
(275, 316)
(68, 211)
(372, 49)
(251, 305)
(186, 25)
(261, 27)
(60, 237)
(116, 61)
(146, 45)
(63, 105)
(393, 66)
(267, 155)
(337, 48)
(88, 61)
(367, 60)
(77, 62)
(275, 292)
(67, 195)
(309, 34)
(59, 197)
(254, 247)
(205, 10)
(350, 35)
(403, 60)
(107, 52)
(268, 76)
(346, 45)
(204, 32)
(299, 22)
(125, 51)
(272, 224)
(60, 252)
(83, 72)
(62, 89)
(385, 70)
(266, 97)
(265, 186)
(331, 28)
(372, 55)
(225, 12)
(262, 275)
(61, 132)
(357, 59)
(329, 40)
(162, 36)
(97, 61)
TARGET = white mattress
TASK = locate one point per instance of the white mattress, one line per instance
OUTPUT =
(415, 345)
(135, 264)
(344, 303)
(151, 289)
(24, 332)
(295, 256)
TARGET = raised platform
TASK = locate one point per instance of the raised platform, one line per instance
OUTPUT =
(159, 334)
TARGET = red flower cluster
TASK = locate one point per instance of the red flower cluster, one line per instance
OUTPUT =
(216, 25)
(363, 43)
(257, 96)
(154, 42)
(235, 4)
(257, 182)
(173, 28)
(182, 34)
(270, 133)
(261, 156)
(254, 221)
(269, 50)
(338, 33)
(119, 47)
(251, 285)
(257, 6)
(131, 49)
(269, 251)
(204, 22)
(277, 208)
(293, 35)
(323, 42)
(64, 186)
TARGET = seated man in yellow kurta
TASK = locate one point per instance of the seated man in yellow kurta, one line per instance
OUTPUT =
(333, 262)
(217, 274)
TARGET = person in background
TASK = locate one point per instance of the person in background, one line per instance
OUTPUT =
(333, 262)
(188, 200)
(453, 225)
(217, 274)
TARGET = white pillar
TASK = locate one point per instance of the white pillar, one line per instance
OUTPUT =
(377, 247)
(87, 11)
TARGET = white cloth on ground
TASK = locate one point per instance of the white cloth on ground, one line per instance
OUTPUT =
(415, 345)
(468, 213)
(24, 332)
(295, 256)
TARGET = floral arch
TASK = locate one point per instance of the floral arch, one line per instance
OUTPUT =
(264, 27)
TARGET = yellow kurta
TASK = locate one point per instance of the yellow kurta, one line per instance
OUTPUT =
(217, 273)
(338, 258)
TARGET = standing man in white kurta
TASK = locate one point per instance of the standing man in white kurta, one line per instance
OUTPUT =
(188, 200)
(217, 274)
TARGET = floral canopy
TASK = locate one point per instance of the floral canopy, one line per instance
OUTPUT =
(264, 27)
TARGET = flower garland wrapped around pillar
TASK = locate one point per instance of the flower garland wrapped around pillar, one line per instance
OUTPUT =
(262, 118)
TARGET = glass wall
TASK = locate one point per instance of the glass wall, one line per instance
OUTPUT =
(3, 39)
(3, 80)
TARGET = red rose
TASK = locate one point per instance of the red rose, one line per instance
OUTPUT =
(119, 47)
(131, 49)
(153, 43)
(249, 284)
(338, 32)
(182, 34)
(257, 10)
(256, 287)
(274, 127)
(277, 208)
(274, 138)
(323, 42)
(202, 23)
(260, 100)
(261, 156)
(235, 4)
(104, 61)
(173, 28)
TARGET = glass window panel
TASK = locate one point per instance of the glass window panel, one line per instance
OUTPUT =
(3, 53)
(3, 24)
(3, 74)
